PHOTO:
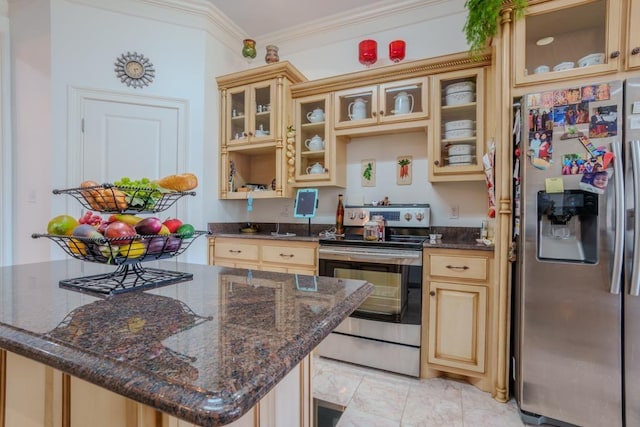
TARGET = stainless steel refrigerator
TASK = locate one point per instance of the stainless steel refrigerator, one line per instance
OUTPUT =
(576, 355)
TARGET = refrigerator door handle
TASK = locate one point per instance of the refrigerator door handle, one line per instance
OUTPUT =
(634, 286)
(618, 244)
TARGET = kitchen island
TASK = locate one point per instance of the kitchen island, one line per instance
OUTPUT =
(207, 351)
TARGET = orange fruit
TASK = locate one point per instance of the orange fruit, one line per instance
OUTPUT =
(62, 225)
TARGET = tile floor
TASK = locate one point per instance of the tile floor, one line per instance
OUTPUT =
(380, 399)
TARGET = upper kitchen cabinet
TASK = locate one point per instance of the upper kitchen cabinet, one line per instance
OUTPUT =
(319, 156)
(248, 113)
(633, 42)
(457, 136)
(255, 111)
(389, 103)
(568, 39)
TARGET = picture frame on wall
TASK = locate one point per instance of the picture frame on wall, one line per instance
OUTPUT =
(368, 173)
(404, 170)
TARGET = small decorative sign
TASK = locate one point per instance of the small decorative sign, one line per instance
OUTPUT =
(368, 173)
(404, 170)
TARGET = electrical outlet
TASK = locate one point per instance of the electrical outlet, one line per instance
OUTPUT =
(286, 211)
(454, 212)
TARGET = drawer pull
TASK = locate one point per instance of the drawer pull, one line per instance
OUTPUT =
(635, 51)
(287, 255)
(614, 54)
(455, 267)
(235, 251)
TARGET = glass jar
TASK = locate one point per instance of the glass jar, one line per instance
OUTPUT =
(379, 219)
(249, 49)
(371, 231)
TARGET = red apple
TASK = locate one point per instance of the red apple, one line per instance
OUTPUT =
(172, 224)
(119, 230)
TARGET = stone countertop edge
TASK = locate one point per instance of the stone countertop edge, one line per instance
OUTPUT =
(183, 400)
(449, 244)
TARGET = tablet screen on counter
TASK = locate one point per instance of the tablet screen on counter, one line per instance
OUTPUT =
(306, 203)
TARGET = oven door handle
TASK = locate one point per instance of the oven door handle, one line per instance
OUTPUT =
(364, 255)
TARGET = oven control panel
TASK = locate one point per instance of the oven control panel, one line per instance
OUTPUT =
(394, 215)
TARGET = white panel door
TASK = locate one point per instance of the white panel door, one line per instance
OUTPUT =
(125, 139)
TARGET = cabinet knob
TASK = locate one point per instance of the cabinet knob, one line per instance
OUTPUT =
(635, 51)
(614, 54)
(373, 113)
(382, 112)
(436, 162)
(432, 293)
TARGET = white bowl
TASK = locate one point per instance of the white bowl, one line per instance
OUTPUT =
(460, 87)
(460, 149)
(541, 69)
(458, 98)
(592, 59)
(462, 159)
(564, 66)
(459, 124)
(459, 133)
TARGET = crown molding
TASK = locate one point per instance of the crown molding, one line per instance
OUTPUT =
(198, 14)
(384, 13)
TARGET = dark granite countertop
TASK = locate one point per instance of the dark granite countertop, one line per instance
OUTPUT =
(453, 237)
(204, 350)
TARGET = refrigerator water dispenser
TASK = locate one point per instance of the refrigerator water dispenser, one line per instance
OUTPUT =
(568, 226)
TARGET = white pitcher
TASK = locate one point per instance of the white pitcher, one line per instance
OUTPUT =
(403, 103)
(315, 143)
(316, 115)
(357, 109)
(316, 168)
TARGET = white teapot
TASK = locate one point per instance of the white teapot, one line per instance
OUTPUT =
(316, 168)
(357, 110)
(403, 103)
(315, 143)
(316, 115)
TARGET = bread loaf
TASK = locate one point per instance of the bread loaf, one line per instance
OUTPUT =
(93, 196)
(179, 182)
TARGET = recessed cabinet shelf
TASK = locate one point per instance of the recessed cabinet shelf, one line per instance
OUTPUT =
(458, 126)
(578, 38)
(320, 156)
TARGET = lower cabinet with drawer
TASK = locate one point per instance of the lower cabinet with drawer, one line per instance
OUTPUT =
(285, 256)
(459, 325)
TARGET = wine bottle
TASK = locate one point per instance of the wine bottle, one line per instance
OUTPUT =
(340, 216)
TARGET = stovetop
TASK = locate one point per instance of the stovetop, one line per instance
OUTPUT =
(395, 238)
(407, 226)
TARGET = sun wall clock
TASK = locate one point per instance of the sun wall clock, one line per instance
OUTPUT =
(134, 69)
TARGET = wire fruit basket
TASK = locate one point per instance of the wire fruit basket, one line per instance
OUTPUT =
(127, 253)
(110, 198)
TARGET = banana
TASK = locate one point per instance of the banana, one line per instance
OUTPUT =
(126, 218)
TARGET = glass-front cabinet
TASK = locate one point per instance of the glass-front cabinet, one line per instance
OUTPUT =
(393, 102)
(633, 43)
(457, 134)
(249, 117)
(255, 107)
(568, 39)
(319, 155)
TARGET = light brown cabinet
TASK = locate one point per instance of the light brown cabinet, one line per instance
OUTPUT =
(562, 39)
(457, 136)
(320, 156)
(255, 111)
(285, 256)
(393, 102)
(459, 324)
(39, 396)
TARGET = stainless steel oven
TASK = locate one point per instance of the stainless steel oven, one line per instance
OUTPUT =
(384, 332)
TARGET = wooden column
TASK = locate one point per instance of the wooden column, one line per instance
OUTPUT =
(503, 187)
